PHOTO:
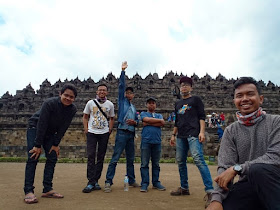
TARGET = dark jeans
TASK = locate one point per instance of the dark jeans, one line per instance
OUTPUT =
(32, 163)
(124, 140)
(260, 192)
(94, 169)
(153, 152)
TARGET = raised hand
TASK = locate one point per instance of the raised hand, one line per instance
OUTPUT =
(124, 65)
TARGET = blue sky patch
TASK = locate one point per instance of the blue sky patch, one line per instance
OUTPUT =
(2, 21)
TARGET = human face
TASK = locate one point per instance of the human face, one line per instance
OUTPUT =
(129, 95)
(67, 98)
(151, 106)
(247, 99)
(185, 88)
(102, 91)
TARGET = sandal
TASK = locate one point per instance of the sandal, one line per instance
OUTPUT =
(30, 198)
(52, 194)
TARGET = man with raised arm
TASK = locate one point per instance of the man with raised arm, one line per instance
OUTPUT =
(127, 120)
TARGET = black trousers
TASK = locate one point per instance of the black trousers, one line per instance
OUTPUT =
(94, 168)
(260, 192)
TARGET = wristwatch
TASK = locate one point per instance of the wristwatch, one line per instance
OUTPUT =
(237, 168)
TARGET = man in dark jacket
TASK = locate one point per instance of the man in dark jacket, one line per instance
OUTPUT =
(46, 128)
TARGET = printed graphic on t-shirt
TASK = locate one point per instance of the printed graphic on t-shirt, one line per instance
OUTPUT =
(99, 121)
(184, 109)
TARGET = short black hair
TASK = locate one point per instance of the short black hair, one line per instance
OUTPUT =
(129, 88)
(247, 80)
(70, 87)
(102, 85)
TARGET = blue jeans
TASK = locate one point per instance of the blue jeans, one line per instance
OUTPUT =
(148, 151)
(196, 148)
(31, 163)
(124, 140)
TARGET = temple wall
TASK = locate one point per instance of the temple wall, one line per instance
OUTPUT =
(216, 94)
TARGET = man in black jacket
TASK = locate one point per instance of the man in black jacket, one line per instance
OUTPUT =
(46, 128)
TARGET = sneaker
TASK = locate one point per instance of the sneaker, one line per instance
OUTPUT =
(97, 186)
(107, 188)
(144, 188)
(180, 191)
(159, 187)
(207, 199)
(135, 184)
(88, 188)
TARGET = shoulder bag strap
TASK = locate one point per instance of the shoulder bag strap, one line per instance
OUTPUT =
(105, 115)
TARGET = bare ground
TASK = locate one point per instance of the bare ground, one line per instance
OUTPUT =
(70, 179)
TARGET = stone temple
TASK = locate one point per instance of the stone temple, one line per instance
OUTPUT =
(217, 95)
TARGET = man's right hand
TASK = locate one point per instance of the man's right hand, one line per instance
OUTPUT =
(36, 152)
(215, 205)
(124, 65)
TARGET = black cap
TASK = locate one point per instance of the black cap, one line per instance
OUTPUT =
(129, 88)
(151, 99)
(185, 79)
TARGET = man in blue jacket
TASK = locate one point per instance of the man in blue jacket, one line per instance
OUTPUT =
(127, 120)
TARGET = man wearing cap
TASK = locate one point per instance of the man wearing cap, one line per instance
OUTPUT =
(190, 131)
(151, 145)
(127, 120)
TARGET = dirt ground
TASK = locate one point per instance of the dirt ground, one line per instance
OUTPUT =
(70, 179)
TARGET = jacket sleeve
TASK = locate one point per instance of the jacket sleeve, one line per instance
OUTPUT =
(227, 157)
(42, 124)
(63, 128)
(121, 95)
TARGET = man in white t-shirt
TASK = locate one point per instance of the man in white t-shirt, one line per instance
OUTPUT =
(98, 120)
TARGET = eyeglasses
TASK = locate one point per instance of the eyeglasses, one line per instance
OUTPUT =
(185, 85)
(129, 93)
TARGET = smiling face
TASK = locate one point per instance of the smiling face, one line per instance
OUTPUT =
(102, 91)
(67, 97)
(247, 99)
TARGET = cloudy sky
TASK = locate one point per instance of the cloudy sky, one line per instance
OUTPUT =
(59, 39)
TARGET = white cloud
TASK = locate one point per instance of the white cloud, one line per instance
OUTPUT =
(65, 39)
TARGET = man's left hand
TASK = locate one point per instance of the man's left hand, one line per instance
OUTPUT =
(224, 178)
(56, 149)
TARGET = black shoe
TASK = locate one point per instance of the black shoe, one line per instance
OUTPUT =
(97, 186)
(88, 188)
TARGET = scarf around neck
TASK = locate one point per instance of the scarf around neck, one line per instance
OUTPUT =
(252, 118)
(101, 100)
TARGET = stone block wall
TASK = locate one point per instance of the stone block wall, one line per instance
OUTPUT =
(73, 144)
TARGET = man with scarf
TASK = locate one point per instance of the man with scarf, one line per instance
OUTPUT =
(98, 120)
(250, 148)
